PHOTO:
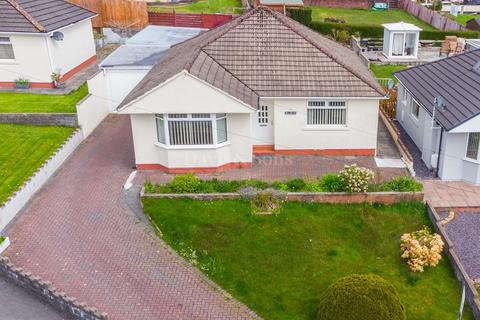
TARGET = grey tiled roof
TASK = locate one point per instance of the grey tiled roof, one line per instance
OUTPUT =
(452, 78)
(265, 54)
(37, 16)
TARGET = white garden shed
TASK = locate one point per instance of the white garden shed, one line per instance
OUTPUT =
(401, 40)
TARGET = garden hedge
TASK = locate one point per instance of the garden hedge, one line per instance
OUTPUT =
(304, 16)
(359, 297)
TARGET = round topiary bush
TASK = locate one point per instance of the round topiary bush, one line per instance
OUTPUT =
(360, 297)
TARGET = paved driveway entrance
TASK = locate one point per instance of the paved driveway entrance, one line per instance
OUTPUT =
(77, 234)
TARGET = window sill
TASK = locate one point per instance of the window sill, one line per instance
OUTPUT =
(193, 147)
(326, 128)
(7, 61)
(475, 161)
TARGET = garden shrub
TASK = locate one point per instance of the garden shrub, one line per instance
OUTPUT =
(334, 20)
(342, 36)
(402, 184)
(313, 186)
(263, 201)
(421, 249)
(185, 183)
(296, 184)
(359, 297)
(302, 15)
(332, 183)
(356, 179)
(280, 185)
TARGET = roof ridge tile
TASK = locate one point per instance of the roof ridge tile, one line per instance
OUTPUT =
(27, 15)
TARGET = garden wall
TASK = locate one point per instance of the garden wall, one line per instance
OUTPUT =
(18, 200)
(45, 291)
(320, 197)
(353, 4)
(49, 119)
(471, 293)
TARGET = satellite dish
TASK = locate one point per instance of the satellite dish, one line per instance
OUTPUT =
(440, 102)
(390, 84)
(57, 36)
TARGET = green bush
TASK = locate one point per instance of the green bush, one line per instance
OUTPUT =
(332, 183)
(313, 186)
(342, 36)
(302, 15)
(361, 297)
(280, 185)
(185, 183)
(377, 31)
(402, 184)
(296, 184)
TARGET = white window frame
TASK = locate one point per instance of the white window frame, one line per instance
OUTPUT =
(7, 42)
(213, 117)
(327, 106)
(414, 102)
(478, 147)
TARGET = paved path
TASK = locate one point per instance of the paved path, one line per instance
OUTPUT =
(451, 194)
(78, 234)
(17, 303)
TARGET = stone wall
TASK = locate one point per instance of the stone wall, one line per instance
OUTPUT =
(50, 119)
(471, 293)
(354, 4)
(320, 197)
(45, 291)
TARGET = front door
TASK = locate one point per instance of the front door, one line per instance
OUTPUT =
(263, 126)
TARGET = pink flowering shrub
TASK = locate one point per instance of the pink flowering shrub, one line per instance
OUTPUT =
(421, 249)
(356, 179)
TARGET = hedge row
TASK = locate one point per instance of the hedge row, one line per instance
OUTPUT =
(377, 31)
(304, 16)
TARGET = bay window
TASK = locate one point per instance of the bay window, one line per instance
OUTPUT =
(473, 145)
(196, 129)
(321, 112)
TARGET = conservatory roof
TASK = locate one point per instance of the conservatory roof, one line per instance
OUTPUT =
(401, 26)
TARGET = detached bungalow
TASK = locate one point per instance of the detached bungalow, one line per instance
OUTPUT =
(449, 136)
(260, 84)
(40, 37)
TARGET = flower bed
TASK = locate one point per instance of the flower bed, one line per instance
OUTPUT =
(351, 179)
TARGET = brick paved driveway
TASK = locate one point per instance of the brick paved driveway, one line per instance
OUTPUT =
(77, 234)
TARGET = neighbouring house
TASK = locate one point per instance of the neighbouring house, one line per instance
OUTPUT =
(41, 37)
(474, 24)
(260, 84)
(126, 66)
(401, 40)
(448, 137)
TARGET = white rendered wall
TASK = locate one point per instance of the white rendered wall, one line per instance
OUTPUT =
(120, 82)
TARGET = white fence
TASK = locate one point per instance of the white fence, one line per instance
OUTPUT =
(94, 107)
(18, 200)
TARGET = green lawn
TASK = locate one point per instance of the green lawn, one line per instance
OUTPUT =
(279, 265)
(462, 18)
(205, 6)
(23, 149)
(367, 17)
(13, 102)
(386, 71)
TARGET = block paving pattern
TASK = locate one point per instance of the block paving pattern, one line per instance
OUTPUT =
(76, 234)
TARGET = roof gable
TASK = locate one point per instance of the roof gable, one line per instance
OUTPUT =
(264, 53)
(454, 79)
(39, 16)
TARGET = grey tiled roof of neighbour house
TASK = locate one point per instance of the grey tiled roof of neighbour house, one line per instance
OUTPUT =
(265, 54)
(456, 79)
(39, 16)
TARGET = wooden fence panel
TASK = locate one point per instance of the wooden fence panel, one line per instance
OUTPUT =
(190, 20)
(431, 17)
(117, 13)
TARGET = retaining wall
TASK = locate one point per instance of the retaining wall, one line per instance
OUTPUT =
(45, 291)
(471, 294)
(49, 119)
(18, 200)
(320, 197)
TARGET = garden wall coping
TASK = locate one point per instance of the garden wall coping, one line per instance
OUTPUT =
(45, 291)
(320, 197)
(49, 119)
(471, 293)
